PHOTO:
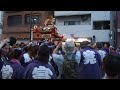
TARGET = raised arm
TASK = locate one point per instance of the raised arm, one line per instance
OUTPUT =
(57, 48)
(5, 41)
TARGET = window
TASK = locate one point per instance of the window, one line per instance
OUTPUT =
(35, 19)
(85, 19)
(79, 20)
(14, 20)
(71, 22)
(101, 25)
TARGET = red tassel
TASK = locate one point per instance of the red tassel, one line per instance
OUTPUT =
(38, 35)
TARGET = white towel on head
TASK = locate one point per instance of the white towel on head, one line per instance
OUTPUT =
(27, 58)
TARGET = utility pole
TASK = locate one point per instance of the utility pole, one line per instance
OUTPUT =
(30, 26)
(113, 28)
(115, 45)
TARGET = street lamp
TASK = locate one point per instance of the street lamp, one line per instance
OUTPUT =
(34, 19)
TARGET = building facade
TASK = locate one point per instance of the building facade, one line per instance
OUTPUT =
(88, 24)
(19, 23)
(1, 23)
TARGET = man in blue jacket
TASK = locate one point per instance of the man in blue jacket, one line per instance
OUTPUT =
(90, 63)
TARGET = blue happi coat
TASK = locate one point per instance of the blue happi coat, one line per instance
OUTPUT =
(39, 70)
(11, 70)
(90, 64)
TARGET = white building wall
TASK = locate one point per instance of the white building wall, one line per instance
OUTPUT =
(60, 21)
(96, 15)
(100, 15)
(78, 31)
(67, 13)
(83, 30)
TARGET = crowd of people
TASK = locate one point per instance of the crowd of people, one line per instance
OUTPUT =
(45, 60)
